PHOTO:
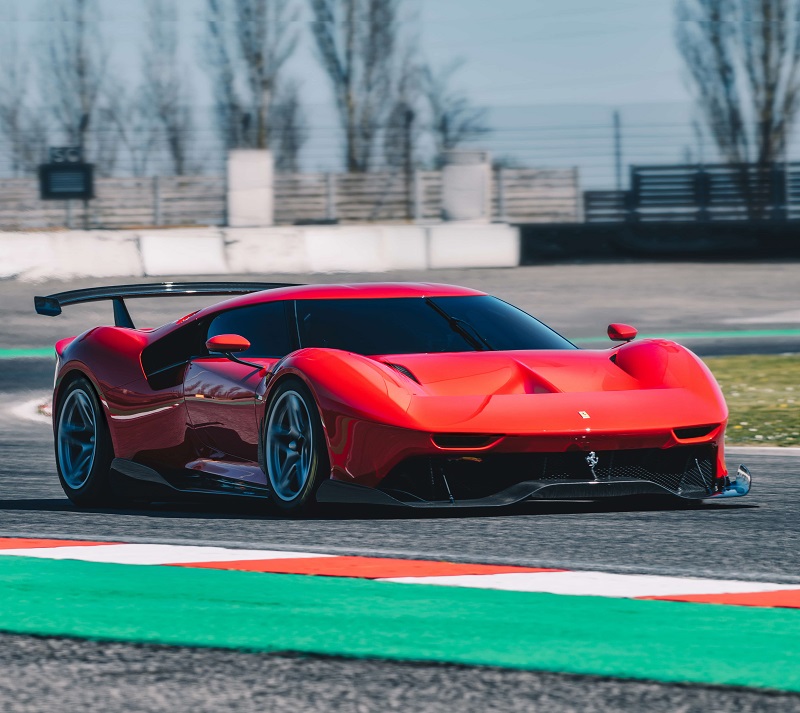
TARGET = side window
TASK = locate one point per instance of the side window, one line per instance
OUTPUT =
(265, 326)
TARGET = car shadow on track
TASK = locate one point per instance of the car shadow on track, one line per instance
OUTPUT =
(252, 510)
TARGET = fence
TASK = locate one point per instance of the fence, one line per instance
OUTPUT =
(120, 203)
(710, 193)
(518, 196)
(357, 197)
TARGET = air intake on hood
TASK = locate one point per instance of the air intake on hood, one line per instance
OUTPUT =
(403, 370)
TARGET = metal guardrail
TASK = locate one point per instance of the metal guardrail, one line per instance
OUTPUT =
(708, 193)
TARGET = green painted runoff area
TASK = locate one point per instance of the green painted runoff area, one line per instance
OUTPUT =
(39, 353)
(724, 334)
(666, 641)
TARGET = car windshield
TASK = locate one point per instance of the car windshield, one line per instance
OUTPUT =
(413, 325)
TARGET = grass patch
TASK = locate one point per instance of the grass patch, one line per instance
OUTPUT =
(763, 395)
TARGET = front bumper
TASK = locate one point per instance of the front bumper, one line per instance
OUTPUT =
(334, 491)
(490, 480)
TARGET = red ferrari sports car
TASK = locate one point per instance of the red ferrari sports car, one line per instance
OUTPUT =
(420, 395)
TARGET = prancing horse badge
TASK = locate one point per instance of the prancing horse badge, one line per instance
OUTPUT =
(584, 414)
(592, 460)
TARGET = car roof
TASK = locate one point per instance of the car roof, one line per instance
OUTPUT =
(361, 290)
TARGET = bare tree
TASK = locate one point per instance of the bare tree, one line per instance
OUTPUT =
(288, 127)
(357, 42)
(453, 119)
(126, 118)
(23, 128)
(75, 64)
(403, 128)
(249, 42)
(220, 61)
(165, 89)
(744, 59)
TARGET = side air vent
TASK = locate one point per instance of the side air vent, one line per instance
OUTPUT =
(403, 370)
(464, 441)
(694, 431)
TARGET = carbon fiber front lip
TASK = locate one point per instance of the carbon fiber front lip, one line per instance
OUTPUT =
(334, 491)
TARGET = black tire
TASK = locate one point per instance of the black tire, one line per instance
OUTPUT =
(295, 460)
(83, 447)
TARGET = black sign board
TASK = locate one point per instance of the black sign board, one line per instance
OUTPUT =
(66, 176)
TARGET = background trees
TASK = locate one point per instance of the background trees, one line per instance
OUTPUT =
(743, 57)
(357, 42)
(454, 120)
(74, 69)
(141, 117)
(166, 88)
(249, 42)
(21, 126)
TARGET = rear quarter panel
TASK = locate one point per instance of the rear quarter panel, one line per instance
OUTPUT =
(146, 425)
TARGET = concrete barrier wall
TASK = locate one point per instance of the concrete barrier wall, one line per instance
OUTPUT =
(183, 252)
(473, 246)
(219, 251)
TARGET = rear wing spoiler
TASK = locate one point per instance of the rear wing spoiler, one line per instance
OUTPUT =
(51, 304)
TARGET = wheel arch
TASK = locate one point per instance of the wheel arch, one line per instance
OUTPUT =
(71, 373)
(280, 377)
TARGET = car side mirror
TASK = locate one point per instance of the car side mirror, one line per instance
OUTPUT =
(227, 344)
(621, 332)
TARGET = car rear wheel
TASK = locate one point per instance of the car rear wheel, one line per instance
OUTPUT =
(83, 446)
(295, 454)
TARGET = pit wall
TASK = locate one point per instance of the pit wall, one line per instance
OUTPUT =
(219, 251)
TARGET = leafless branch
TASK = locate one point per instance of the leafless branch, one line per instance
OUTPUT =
(165, 91)
(744, 60)
(357, 42)
(22, 127)
(126, 118)
(288, 130)
(453, 119)
(248, 42)
(75, 67)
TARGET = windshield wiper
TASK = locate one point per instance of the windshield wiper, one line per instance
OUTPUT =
(464, 328)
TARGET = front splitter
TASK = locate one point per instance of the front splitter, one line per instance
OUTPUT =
(336, 491)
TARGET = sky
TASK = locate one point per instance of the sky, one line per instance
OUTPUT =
(515, 51)
(550, 72)
(550, 52)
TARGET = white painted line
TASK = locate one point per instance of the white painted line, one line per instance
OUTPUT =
(599, 584)
(580, 583)
(153, 554)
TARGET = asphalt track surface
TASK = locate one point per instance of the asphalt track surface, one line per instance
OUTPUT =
(70, 676)
(755, 538)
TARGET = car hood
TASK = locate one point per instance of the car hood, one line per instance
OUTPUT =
(653, 385)
(544, 372)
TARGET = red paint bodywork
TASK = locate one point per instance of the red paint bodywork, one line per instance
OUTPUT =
(630, 396)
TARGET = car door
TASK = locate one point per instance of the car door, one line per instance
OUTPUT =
(220, 393)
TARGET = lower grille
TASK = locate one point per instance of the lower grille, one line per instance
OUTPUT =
(687, 471)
